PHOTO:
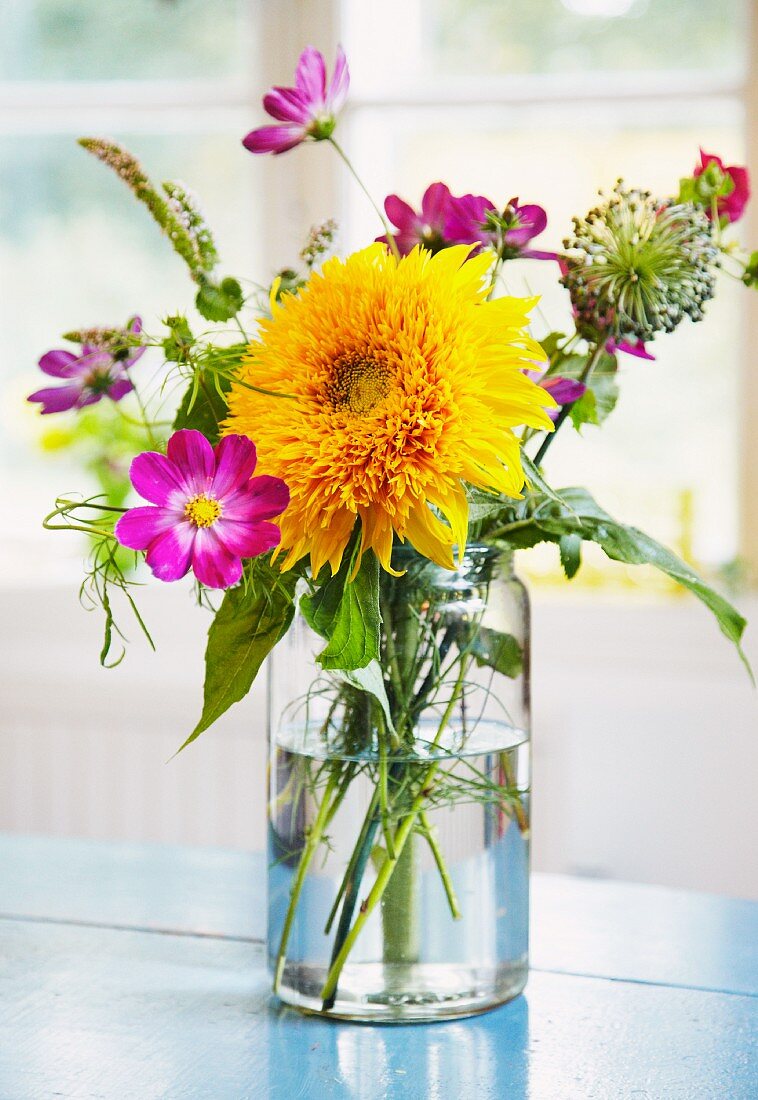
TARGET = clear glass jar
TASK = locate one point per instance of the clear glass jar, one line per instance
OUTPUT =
(399, 803)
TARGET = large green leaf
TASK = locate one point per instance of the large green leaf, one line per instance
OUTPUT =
(346, 613)
(580, 514)
(247, 626)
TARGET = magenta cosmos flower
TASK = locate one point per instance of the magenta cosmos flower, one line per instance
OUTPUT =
(469, 221)
(208, 511)
(731, 206)
(309, 109)
(100, 370)
(427, 227)
(564, 391)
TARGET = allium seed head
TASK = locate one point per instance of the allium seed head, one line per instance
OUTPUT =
(637, 265)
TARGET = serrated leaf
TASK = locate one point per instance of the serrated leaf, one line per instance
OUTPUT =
(346, 613)
(203, 407)
(219, 302)
(245, 629)
(498, 651)
(570, 548)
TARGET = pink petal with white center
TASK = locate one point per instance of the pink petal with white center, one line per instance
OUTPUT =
(138, 527)
(274, 139)
(235, 464)
(158, 480)
(213, 564)
(287, 105)
(340, 83)
(247, 540)
(170, 554)
(193, 457)
(57, 363)
(310, 76)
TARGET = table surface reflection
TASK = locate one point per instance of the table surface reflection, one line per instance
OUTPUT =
(138, 971)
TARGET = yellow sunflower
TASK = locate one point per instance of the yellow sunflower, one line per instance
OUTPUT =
(407, 384)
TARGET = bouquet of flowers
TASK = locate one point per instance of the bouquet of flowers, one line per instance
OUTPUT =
(341, 436)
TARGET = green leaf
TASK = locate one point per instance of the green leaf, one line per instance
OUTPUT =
(750, 275)
(247, 626)
(570, 547)
(346, 614)
(498, 651)
(219, 302)
(371, 680)
(203, 407)
(584, 410)
(582, 516)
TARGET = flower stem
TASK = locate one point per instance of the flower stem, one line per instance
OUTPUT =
(348, 164)
(429, 832)
(313, 840)
(592, 360)
(402, 833)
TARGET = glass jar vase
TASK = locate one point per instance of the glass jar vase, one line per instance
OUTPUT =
(399, 803)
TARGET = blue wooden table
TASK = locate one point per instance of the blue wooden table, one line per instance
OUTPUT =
(135, 971)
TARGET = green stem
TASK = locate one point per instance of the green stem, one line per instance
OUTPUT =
(592, 360)
(430, 833)
(383, 799)
(313, 840)
(369, 825)
(401, 837)
(348, 164)
(400, 916)
(147, 425)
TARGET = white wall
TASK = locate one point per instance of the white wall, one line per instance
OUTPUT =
(645, 734)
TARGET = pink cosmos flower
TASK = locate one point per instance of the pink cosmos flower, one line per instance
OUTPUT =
(731, 206)
(208, 511)
(468, 221)
(99, 371)
(427, 227)
(309, 109)
(565, 391)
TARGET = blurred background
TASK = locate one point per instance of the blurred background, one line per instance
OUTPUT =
(645, 724)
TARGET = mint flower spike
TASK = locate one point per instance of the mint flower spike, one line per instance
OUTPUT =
(178, 214)
(185, 208)
(171, 221)
(637, 265)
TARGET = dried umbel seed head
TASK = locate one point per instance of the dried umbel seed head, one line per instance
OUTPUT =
(637, 265)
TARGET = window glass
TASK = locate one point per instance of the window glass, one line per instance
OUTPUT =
(404, 41)
(107, 40)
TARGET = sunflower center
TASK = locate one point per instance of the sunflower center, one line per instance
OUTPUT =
(203, 511)
(358, 384)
